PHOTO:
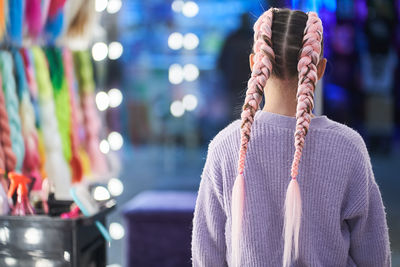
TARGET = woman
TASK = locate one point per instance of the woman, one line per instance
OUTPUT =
(330, 212)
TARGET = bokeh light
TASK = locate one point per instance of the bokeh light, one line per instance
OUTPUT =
(117, 231)
(177, 5)
(190, 9)
(114, 6)
(175, 41)
(99, 51)
(100, 193)
(175, 74)
(115, 97)
(190, 72)
(115, 141)
(190, 41)
(101, 5)
(190, 102)
(115, 186)
(102, 100)
(177, 109)
(104, 146)
(115, 50)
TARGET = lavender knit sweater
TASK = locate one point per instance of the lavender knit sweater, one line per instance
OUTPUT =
(343, 221)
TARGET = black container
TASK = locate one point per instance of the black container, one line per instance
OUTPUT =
(43, 241)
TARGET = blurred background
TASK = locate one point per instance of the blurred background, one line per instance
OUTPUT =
(163, 85)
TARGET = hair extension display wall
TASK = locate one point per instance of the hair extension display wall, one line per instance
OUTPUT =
(48, 119)
(36, 79)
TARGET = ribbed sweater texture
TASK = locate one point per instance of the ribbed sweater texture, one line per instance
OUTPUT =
(343, 217)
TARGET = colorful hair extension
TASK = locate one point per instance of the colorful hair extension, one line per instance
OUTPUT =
(56, 166)
(12, 105)
(2, 18)
(81, 19)
(3, 112)
(33, 16)
(307, 68)
(32, 159)
(55, 20)
(45, 5)
(91, 120)
(33, 91)
(75, 162)
(42, 155)
(31, 79)
(61, 98)
(16, 20)
(9, 158)
(263, 61)
(55, 7)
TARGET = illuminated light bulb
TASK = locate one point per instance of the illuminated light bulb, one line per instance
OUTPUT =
(115, 50)
(190, 9)
(115, 97)
(190, 72)
(99, 51)
(190, 41)
(177, 109)
(102, 101)
(115, 140)
(175, 74)
(190, 102)
(175, 41)
(115, 186)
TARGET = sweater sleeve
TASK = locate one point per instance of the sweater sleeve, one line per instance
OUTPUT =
(208, 236)
(366, 218)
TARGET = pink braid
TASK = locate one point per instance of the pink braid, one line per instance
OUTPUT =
(10, 161)
(307, 69)
(263, 61)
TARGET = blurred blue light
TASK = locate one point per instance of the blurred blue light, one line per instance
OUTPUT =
(335, 93)
(330, 5)
(314, 5)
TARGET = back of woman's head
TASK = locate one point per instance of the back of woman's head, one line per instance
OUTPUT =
(287, 38)
(287, 45)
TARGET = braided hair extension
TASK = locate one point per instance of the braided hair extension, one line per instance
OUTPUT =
(7, 155)
(84, 74)
(56, 166)
(12, 105)
(75, 162)
(29, 132)
(33, 92)
(15, 21)
(263, 61)
(307, 72)
(287, 44)
(33, 14)
(3, 15)
(61, 97)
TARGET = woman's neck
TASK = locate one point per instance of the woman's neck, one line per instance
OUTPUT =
(280, 97)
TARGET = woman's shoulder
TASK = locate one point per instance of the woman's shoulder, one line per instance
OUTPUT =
(350, 137)
(225, 137)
